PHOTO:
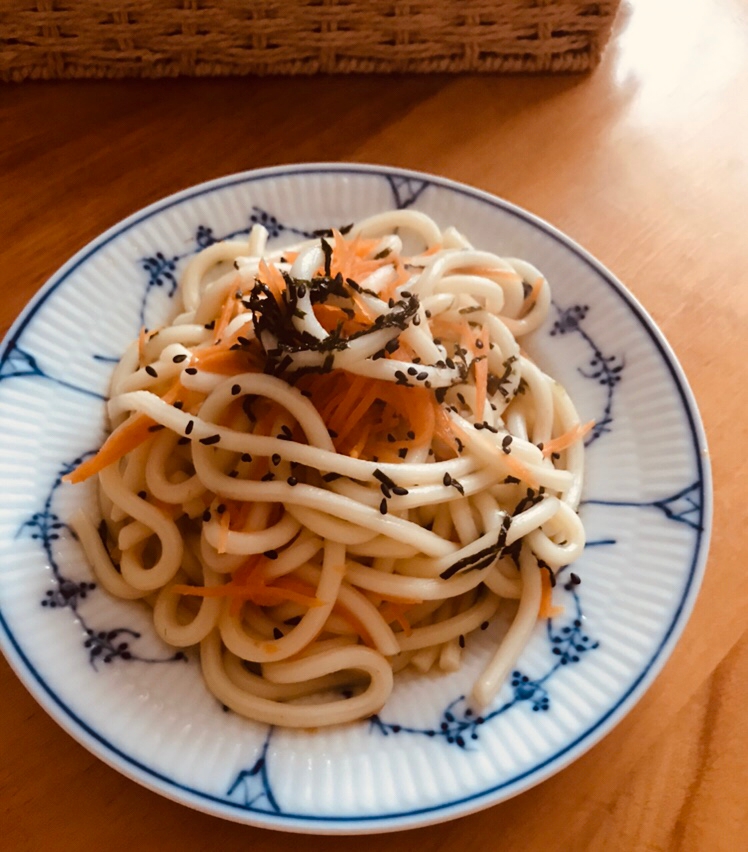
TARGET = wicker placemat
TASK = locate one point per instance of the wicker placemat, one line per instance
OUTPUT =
(154, 38)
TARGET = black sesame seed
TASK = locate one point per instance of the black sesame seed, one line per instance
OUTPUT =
(189, 427)
(151, 371)
(206, 515)
(383, 506)
(447, 479)
(268, 477)
(191, 371)
(271, 554)
(462, 641)
(275, 459)
(179, 405)
(211, 439)
(235, 389)
(277, 633)
(142, 494)
(246, 457)
(411, 434)
(157, 427)
(221, 508)
(177, 359)
(292, 480)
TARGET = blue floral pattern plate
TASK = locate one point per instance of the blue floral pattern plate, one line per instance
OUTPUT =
(95, 664)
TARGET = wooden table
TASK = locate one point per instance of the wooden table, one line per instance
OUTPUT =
(645, 162)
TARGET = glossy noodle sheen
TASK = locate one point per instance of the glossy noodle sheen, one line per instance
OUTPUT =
(335, 462)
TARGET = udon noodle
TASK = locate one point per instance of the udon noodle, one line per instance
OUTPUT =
(334, 463)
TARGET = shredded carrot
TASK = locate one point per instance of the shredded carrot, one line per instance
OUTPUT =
(142, 340)
(125, 438)
(272, 277)
(223, 538)
(225, 316)
(568, 438)
(331, 317)
(355, 622)
(532, 296)
(489, 273)
(402, 276)
(396, 612)
(226, 362)
(283, 590)
(481, 372)
(547, 609)
(349, 257)
(444, 429)
(520, 470)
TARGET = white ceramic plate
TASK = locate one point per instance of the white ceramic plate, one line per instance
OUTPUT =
(94, 663)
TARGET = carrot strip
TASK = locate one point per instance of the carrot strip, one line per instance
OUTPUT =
(355, 622)
(223, 538)
(532, 296)
(142, 340)
(272, 277)
(392, 611)
(520, 470)
(225, 316)
(125, 438)
(564, 441)
(283, 590)
(444, 428)
(481, 372)
(225, 362)
(547, 609)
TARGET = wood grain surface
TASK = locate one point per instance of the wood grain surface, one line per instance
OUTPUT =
(645, 163)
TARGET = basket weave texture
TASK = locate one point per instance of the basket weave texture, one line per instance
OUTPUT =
(155, 38)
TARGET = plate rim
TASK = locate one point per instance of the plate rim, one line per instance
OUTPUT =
(155, 780)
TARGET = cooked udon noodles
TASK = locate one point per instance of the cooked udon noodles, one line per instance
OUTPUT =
(334, 463)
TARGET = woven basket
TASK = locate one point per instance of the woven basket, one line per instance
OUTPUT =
(154, 38)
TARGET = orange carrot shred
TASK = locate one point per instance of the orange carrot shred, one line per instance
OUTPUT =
(564, 441)
(223, 538)
(481, 372)
(547, 609)
(125, 438)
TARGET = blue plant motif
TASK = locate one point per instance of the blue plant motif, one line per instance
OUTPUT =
(254, 784)
(459, 723)
(606, 370)
(406, 190)
(106, 645)
(683, 507)
(18, 363)
(161, 268)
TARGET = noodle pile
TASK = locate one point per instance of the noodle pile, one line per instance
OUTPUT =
(334, 463)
